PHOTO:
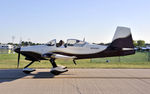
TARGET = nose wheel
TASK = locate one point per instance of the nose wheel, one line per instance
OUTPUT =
(27, 70)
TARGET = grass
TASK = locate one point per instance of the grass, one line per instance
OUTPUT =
(139, 60)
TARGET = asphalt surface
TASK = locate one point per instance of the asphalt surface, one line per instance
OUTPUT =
(76, 81)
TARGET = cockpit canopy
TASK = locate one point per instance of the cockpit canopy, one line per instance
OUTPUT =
(70, 42)
(75, 42)
(51, 43)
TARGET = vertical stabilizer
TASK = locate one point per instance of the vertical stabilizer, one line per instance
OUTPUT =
(122, 38)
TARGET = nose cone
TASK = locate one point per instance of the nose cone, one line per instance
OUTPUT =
(17, 50)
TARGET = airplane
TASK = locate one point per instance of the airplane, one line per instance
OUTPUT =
(121, 45)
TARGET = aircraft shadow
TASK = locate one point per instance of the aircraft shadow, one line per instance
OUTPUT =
(7, 75)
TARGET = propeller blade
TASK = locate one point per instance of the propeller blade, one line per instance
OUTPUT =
(18, 51)
(18, 59)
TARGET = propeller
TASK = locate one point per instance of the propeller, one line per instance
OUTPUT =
(18, 57)
(17, 50)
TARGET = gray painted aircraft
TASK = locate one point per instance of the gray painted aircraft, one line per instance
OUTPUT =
(121, 45)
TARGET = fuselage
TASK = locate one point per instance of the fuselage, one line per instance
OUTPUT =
(79, 51)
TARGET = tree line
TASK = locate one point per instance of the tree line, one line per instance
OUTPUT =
(25, 43)
(139, 43)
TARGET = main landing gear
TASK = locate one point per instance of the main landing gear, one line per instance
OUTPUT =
(56, 70)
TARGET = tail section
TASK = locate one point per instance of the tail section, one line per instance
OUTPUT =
(122, 38)
(122, 42)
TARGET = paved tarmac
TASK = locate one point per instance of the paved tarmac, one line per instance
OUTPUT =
(76, 81)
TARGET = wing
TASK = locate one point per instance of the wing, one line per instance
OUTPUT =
(57, 56)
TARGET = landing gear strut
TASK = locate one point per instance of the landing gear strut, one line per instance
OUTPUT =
(52, 60)
(28, 70)
(56, 70)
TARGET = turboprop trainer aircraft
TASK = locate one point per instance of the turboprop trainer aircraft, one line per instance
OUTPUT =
(121, 45)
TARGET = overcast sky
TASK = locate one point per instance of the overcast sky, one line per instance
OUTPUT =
(96, 20)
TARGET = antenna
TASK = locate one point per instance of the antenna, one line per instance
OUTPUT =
(84, 39)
